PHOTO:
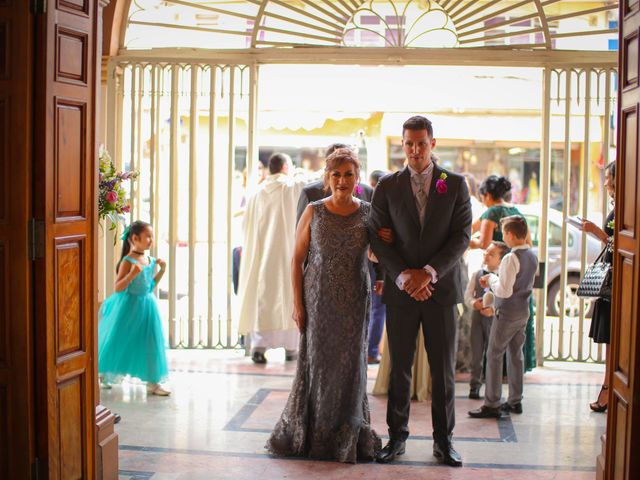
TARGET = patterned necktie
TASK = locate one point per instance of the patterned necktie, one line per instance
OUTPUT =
(421, 196)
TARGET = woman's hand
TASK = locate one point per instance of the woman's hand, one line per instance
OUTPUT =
(386, 235)
(590, 227)
(299, 316)
(477, 305)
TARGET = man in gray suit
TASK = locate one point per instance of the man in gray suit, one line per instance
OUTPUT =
(315, 190)
(429, 211)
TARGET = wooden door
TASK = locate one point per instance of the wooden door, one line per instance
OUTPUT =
(65, 206)
(17, 434)
(623, 421)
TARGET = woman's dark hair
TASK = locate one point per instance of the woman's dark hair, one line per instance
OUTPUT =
(611, 168)
(136, 228)
(495, 186)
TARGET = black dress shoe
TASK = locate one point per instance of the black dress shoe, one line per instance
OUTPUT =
(446, 454)
(474, 393)
(515, 408)
(390, 451)
(258, 357)
(116, 418)
(486, 412)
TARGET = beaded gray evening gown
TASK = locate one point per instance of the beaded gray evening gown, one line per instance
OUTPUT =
(327, 413)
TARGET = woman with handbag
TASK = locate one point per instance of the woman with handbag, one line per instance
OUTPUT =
(601, 320)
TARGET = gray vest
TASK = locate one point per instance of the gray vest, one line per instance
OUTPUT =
(517, 305)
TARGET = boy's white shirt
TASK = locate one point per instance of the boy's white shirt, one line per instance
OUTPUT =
(502, 284)
(469, 293)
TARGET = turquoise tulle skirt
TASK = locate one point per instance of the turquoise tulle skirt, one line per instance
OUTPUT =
(130, 338)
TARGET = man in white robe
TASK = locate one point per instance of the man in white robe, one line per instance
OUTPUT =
(266, 296)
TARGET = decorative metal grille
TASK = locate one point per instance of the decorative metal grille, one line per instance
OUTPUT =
(526, 24)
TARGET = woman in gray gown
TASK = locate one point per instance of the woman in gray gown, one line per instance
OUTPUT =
(327, 413)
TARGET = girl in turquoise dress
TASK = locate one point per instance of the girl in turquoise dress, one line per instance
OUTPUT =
(493, 191)
(130, 338)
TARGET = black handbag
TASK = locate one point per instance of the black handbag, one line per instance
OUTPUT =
(596, 282)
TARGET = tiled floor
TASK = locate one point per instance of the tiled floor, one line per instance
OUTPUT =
(215, 425)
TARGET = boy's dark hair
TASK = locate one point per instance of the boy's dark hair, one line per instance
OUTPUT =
(516, 225)
(418, 122)
(136, 228)
(501, 246)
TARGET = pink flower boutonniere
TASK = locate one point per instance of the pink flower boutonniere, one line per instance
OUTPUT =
(441, 184)
(357, 190)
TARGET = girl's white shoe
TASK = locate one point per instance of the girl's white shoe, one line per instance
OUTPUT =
(156, 389)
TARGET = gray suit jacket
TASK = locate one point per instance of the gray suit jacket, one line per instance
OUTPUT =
(440, 243)
(315, 191)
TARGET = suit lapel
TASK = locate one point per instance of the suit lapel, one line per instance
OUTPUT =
(433, 196)
(407, 194)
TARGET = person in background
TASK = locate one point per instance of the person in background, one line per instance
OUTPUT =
(512, 288)
(600, 330)
(471, 261)
(130, 338)
(482, 315)
(266, 298)
(494, 190)
(377, 318)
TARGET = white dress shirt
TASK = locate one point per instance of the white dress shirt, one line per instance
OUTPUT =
(502, 284)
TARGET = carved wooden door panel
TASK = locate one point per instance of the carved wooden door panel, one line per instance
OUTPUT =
(65, 279)
(623, 432)
(17, 434)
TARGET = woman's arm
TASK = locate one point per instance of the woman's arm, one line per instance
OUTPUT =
(592, 228)
(127, 271)
(475, 226)
(487, 228)
(300, 252)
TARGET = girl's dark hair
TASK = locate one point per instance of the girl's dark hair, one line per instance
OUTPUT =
(495, 186)
(611, 168)
(136, 228)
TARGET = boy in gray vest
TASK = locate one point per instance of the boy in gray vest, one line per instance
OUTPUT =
(483, 313)
(512, 288)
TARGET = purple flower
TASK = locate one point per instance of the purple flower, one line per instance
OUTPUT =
(357, 190)
(441, 186)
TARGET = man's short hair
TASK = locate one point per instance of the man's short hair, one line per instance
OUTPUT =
(502, 247)
(335, 146)
(515, 224)
(277, 161)
(376, 175)
(418, 122)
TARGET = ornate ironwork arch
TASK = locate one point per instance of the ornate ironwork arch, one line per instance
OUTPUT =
(512, 24)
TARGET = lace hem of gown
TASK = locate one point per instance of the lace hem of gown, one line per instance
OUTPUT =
(293, 436)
